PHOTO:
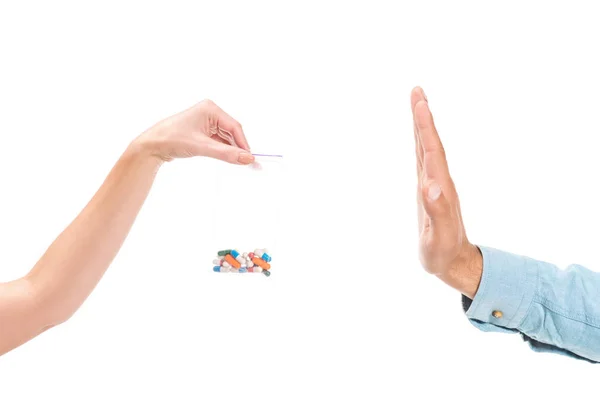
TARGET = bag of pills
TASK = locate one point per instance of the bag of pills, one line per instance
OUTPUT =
(247, 218)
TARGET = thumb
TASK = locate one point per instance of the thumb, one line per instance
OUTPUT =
(228, 153)
(436, 205)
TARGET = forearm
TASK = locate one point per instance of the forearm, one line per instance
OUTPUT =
(72, 266)
(75, 262)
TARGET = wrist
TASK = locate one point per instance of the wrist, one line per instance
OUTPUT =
(144, 150)
(465, 272)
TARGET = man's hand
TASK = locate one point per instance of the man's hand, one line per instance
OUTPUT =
(444, 250)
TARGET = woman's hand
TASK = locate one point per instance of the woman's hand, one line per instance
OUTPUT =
(201, 130)
(445, 250)
(72, 266)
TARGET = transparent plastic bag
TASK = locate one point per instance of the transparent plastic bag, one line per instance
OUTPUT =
(248, 211)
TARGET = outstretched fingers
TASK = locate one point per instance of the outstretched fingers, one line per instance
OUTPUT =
(434, 164)
(436, 187)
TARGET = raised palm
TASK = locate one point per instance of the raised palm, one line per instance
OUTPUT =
(444, 248)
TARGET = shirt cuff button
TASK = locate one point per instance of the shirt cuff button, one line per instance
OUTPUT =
(497, 314)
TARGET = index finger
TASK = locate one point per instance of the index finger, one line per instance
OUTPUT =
(230, 124)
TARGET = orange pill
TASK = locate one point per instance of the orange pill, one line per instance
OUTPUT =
(261, 263)
(258, 261)
(232, 261)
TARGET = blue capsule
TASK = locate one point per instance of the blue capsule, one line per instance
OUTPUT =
(234, 253)
(266, 257)
(242, 270)
(216, 268)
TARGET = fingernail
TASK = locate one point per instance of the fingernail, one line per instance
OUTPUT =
(434, 191)
(245, 158)
(424, 95)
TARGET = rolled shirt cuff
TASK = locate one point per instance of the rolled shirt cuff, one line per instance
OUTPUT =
(506, 291)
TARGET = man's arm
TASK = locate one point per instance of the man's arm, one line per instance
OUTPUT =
(555, 310)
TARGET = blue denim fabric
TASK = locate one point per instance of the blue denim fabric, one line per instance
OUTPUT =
(555, 310)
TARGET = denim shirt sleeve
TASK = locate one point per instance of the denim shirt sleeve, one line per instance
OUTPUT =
(555, 310)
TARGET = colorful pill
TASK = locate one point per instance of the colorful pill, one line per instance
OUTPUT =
(242, 270)
(221, 257)
(232, 261)
(240, 259)
(216, 261)
(258, 261)
(249, 264)
(225, 264)
(245, 255)
(251, 255)
(261, 263)
(235, 253)
(216, 268)
(267, 273)
(266, 257)
(258, 253)
(250, 269)
(223, 252)
(258, 269)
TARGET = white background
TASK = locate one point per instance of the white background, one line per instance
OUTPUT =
(348, 309)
